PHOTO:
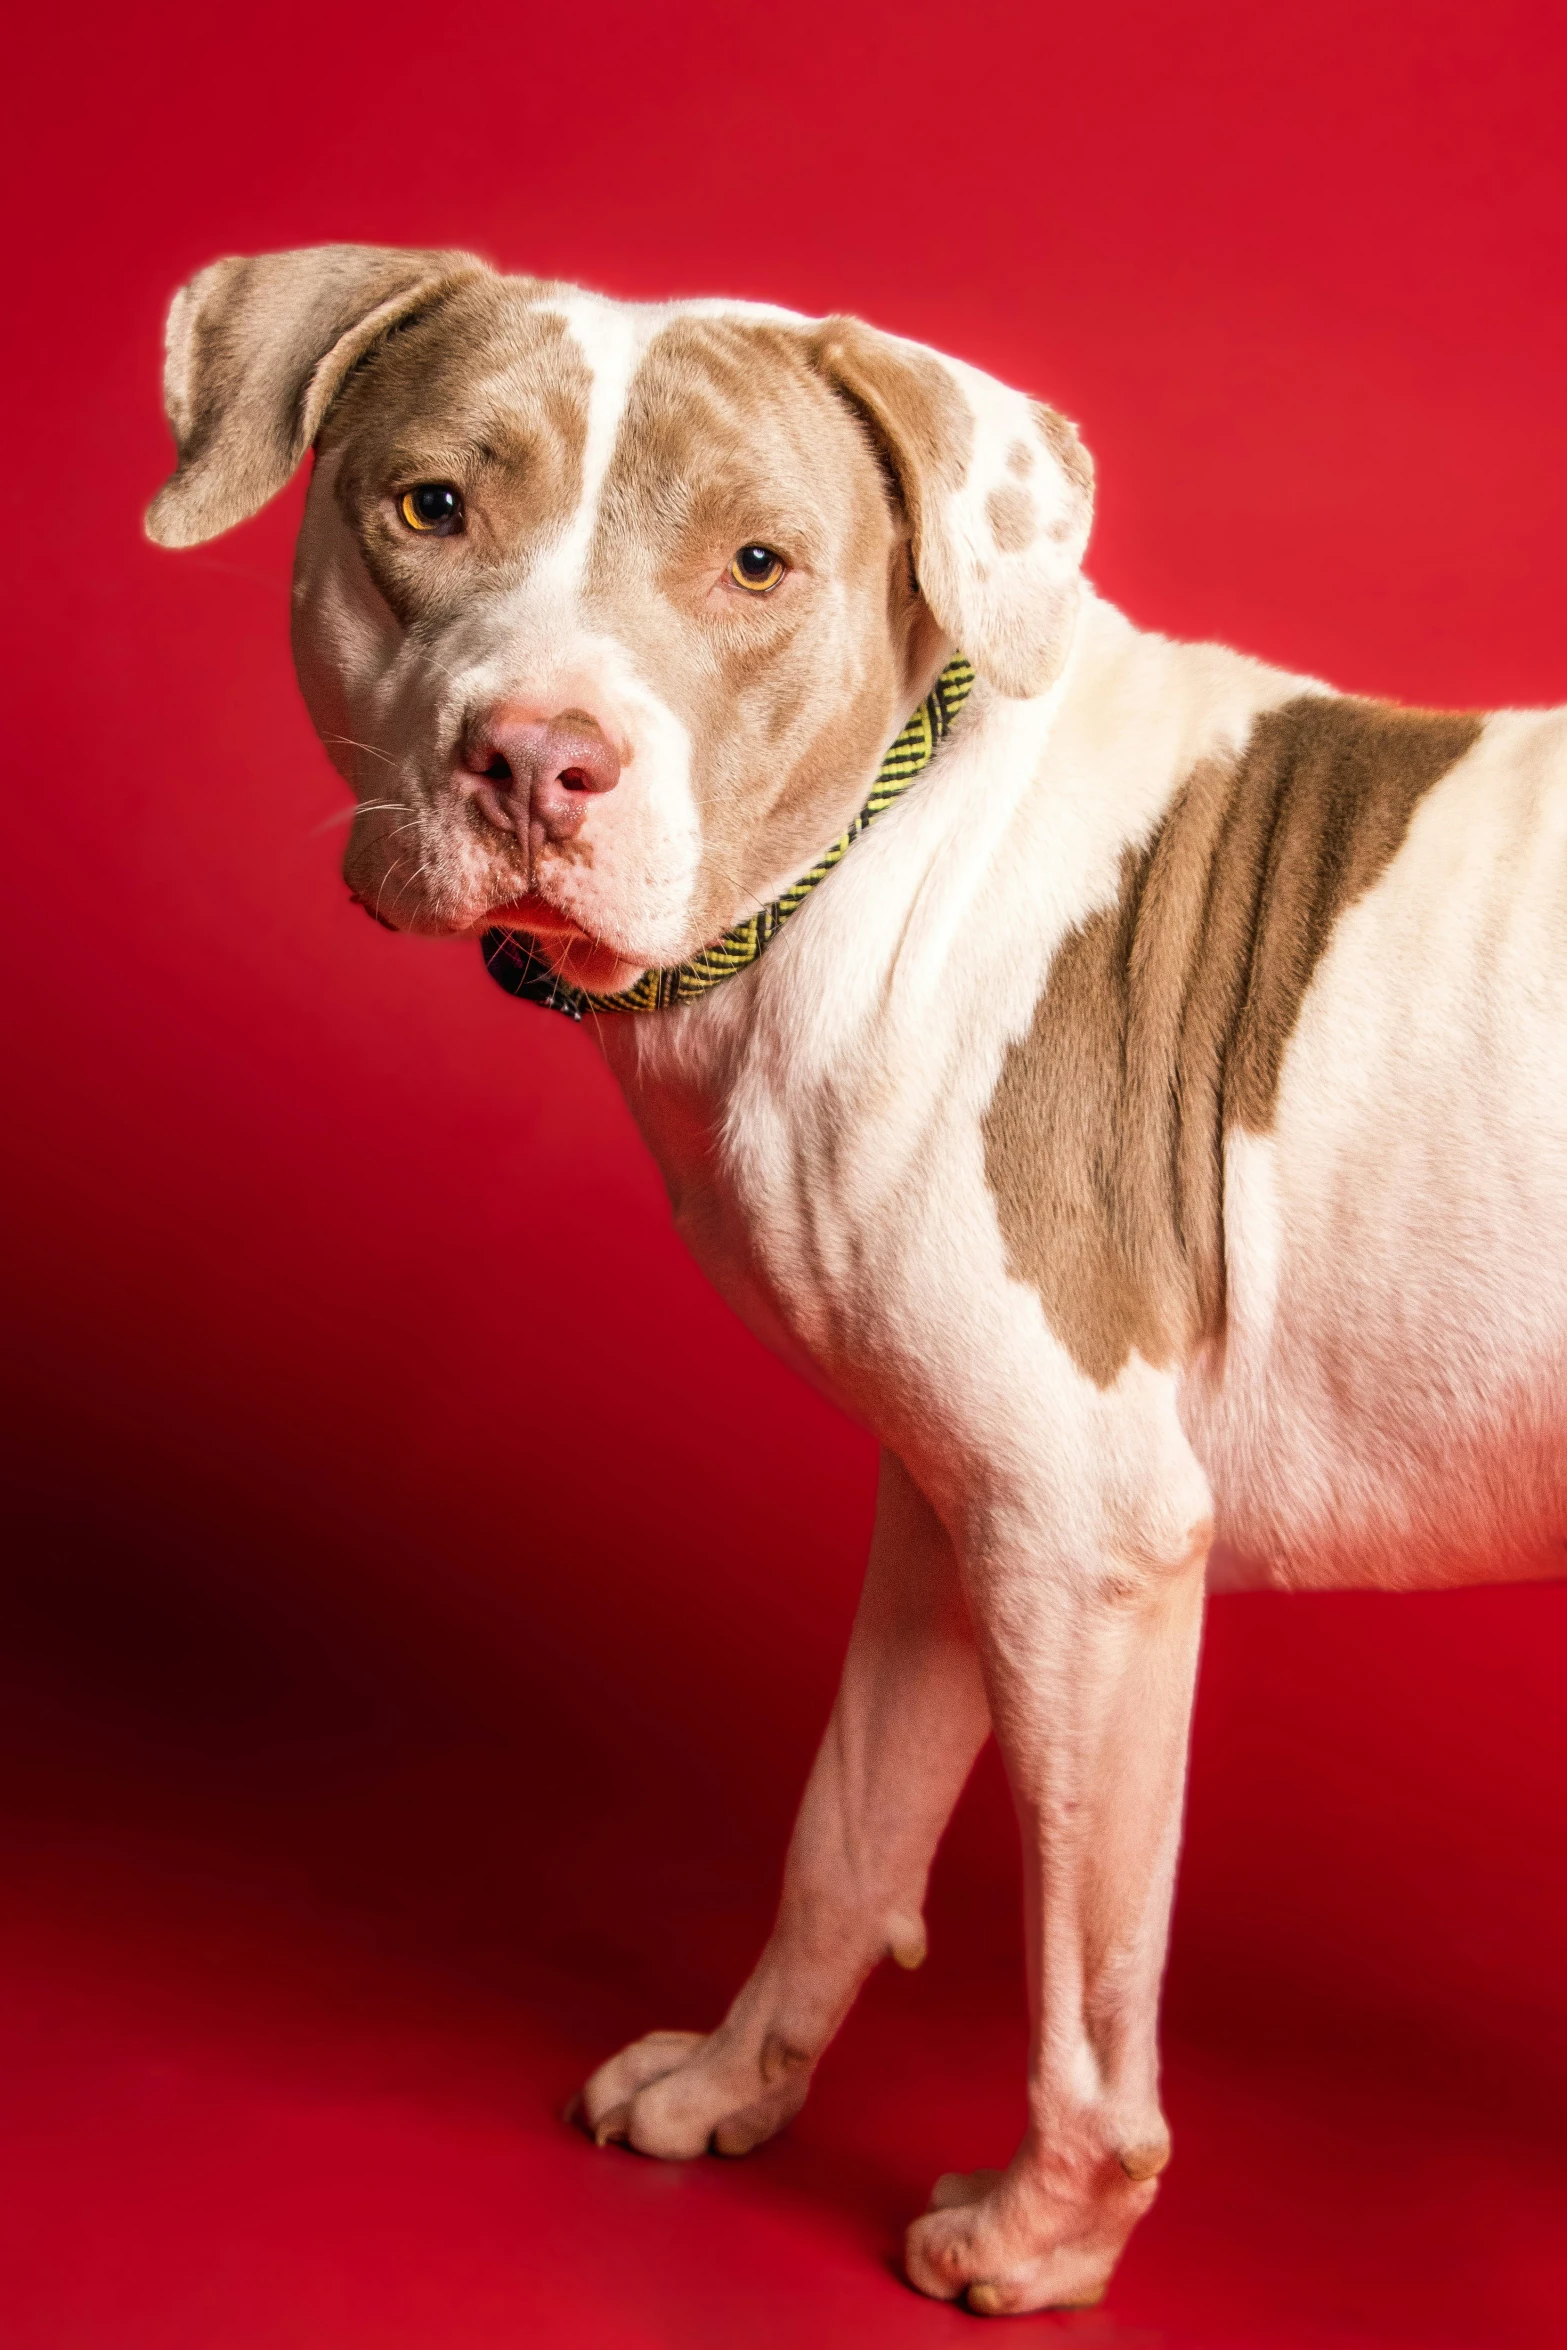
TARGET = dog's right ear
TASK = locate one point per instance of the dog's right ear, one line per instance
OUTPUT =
(256, 351)
(998, 490)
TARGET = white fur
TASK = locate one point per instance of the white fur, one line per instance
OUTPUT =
(611, 338)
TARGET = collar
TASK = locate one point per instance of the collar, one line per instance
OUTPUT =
(514, 963)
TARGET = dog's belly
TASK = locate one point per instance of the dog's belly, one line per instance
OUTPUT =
(1398, 1419)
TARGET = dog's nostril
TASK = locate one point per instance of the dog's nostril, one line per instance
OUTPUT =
(575, 779)
(498, 770)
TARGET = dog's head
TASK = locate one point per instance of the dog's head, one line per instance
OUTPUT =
(606, 612)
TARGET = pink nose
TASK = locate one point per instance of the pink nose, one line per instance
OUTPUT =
(531, 774)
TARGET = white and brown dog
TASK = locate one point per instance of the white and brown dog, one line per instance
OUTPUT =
(1155, 1129)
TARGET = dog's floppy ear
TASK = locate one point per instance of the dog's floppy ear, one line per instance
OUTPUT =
(256, 351)
(998, 489)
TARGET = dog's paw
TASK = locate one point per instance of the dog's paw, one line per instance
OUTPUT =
(988, 2238)
(680, 2094)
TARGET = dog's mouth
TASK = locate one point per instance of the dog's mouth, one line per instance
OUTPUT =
(586, 961)
(576, 955)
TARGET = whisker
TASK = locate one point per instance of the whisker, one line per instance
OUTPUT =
(403, 887)
(360, 808)
(381, 886)
(350, 742)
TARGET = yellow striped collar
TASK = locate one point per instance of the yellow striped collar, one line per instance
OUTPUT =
(514, 963)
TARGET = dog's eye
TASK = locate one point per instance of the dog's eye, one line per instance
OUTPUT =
(432, 506)
(757, 569)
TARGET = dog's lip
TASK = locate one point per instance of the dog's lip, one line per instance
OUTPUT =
(533, 914)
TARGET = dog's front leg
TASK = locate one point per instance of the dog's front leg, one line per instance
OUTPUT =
(1090, 1670)
(909, 1719)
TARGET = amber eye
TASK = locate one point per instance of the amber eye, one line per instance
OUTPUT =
(432, 506)
(757, 569)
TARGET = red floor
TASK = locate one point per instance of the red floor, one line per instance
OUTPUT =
(294, 1984)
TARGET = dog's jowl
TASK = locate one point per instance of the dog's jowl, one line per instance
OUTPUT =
(1129, 1078)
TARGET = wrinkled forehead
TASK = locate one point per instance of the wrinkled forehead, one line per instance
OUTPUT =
(615, 403)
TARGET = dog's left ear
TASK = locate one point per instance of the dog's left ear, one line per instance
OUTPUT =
(998, 489)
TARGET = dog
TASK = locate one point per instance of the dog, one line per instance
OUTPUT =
(1125, 1076)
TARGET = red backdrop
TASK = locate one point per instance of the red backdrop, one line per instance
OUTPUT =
(412, 1652)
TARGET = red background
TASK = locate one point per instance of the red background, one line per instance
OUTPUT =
(425, 1599)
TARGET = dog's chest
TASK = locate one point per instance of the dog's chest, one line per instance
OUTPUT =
(817, 1118)
(795, 1189)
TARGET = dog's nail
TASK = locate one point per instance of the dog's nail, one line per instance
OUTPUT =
(614, 2127)
(987, 2299)
(1145, 2162)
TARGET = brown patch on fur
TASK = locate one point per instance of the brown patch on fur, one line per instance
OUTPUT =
(732, 434)
(1020, 459)
(1061, 437)
(489, 392)
(1165, 1019)
(910, 404)
(1013, 518)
